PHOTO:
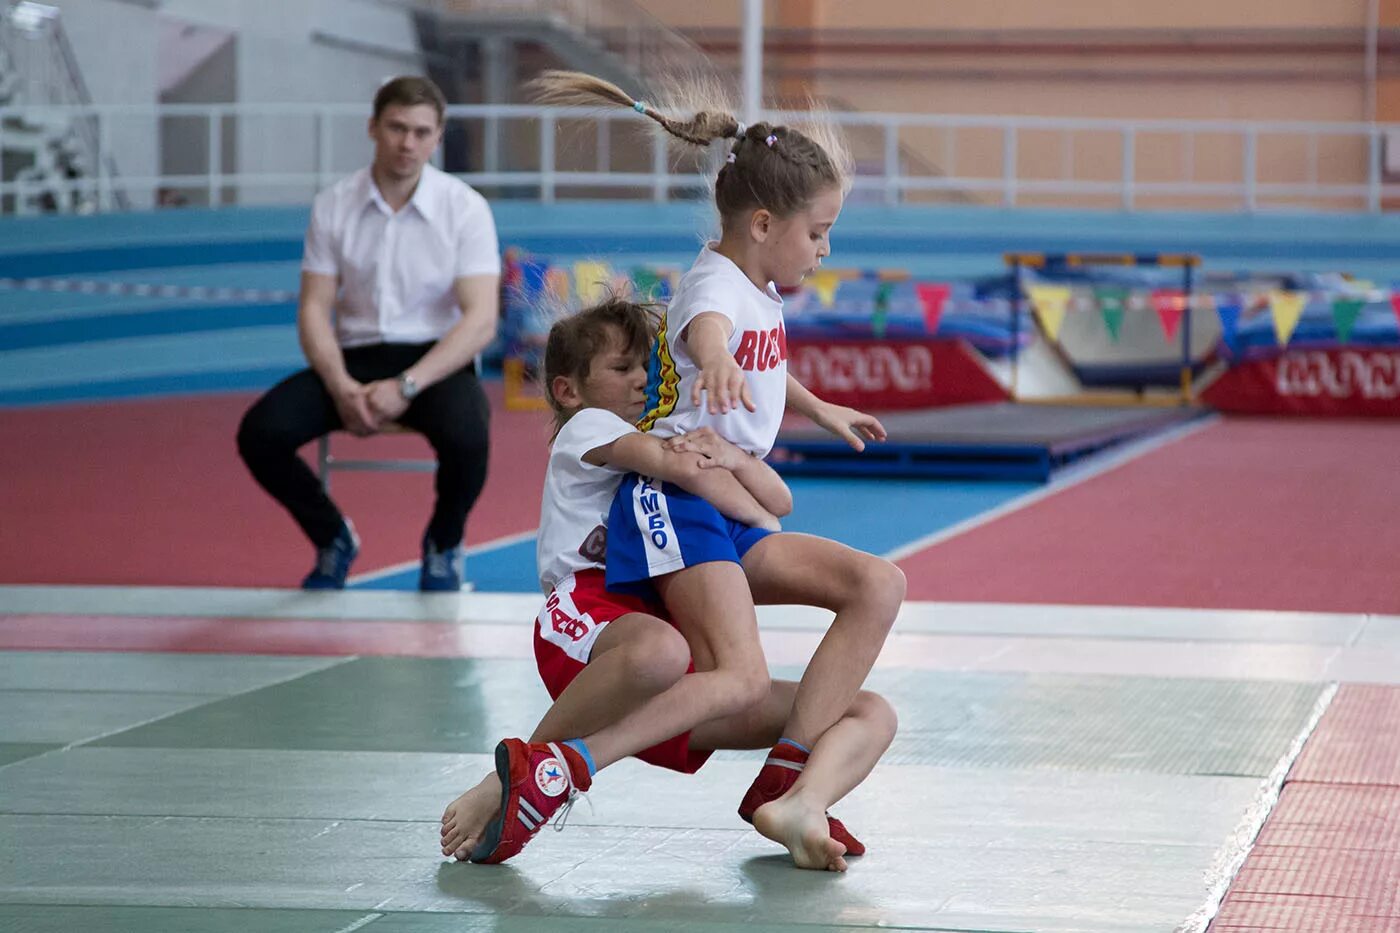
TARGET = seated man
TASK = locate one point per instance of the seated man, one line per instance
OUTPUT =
(407, 257)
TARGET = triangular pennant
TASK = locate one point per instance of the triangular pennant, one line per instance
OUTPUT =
(878, 318)
(1345, 311)
(557, 280)
(1050, 303)
(1227, 308)
(532, 278)
(645, 283)
(932, 297)
(1112, 304)
(883, 291)
(1287, 308)
(591, 280)
(1395, 304)
(1170, 305)
(825, 282)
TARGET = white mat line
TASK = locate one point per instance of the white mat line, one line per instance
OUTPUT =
(1069, 478)
(1231, 857)
(363, 921)
(210, 698)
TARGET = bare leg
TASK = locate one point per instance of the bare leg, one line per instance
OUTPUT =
(842, 758)
(635, 657)
(864, 591)
(712, 608)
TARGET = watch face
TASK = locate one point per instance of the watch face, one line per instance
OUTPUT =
(407, 387)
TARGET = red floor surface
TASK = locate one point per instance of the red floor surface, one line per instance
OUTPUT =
(153, 493)
(1328, 857)
(1299, 514)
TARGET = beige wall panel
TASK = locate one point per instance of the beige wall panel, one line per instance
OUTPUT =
(1089, 14)
(1333, 101)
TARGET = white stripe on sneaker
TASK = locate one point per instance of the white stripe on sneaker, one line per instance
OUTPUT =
(520, 816)
(531, 812)
(784, 763)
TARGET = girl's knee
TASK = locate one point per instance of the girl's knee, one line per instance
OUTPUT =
(657, 659)
(750, 686)
(881, 586)
(877, 711)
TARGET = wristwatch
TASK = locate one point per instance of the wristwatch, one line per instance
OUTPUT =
(408, 388)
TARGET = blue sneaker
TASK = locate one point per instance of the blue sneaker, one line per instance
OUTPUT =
(442, 570)
(333, 561)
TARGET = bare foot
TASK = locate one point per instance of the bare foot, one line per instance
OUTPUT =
(802, 830)
(465, 818)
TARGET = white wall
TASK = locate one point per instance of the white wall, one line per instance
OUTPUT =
(285, 51)
(307, 51)
(115, 45)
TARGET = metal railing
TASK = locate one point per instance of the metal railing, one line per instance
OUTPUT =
(285, 152)
(35, 47)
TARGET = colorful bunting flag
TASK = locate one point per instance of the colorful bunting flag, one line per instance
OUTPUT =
(1112, 302)
(825, 282)
(879, 319)
(1395, 304)
(532, 278)
(1345, 311)
(1227, 308)
(1170, 305)
(1050, 303)
(1287, 308)
(591, 280)
(932, 297)
(557, 280)
(646, 283)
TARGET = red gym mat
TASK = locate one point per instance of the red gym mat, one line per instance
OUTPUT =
(1328, 857)
(1357, 742)
(152, 492)
(1246, 514)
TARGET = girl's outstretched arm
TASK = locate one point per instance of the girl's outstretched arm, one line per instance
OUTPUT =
(854, 427)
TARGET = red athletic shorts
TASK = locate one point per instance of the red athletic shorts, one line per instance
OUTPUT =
(573, 616)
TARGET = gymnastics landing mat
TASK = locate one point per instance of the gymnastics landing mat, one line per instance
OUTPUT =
(1004, 440)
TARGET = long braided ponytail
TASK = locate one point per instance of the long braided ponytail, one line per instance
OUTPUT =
(778, 168)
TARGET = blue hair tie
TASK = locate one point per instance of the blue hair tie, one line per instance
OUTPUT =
(770, 141)
(639, 106)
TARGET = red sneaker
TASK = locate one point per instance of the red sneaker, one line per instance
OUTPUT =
(775, 779)
(537, 781)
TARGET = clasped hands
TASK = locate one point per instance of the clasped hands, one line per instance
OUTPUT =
(365, 408)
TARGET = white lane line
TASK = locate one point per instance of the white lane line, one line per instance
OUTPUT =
(393, 569)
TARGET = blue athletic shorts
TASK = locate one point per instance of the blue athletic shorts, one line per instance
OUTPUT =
(658, 528)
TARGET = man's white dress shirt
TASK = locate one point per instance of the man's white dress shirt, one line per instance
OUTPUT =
(395, 269)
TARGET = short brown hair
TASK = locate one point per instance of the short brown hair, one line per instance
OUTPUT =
(409, 91)
(576, 340)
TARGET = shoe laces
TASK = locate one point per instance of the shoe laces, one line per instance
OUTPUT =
(561, 818)
(438, 563)
(326, 561)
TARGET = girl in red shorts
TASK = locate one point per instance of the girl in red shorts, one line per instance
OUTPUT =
(620, 673)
